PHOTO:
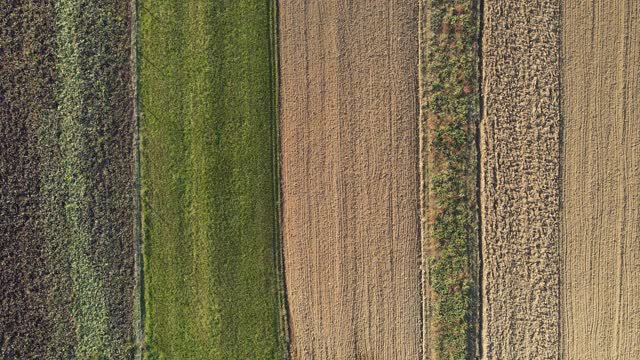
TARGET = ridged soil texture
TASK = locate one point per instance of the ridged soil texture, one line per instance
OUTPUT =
(27, 98)
(349, 137)
(601, 180)
(520, 179)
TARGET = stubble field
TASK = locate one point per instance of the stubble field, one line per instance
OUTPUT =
(349, 178)
(600, 244)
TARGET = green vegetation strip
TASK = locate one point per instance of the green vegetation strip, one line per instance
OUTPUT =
(211, 286)
(95, 127)
(450, 111)
(90, 307)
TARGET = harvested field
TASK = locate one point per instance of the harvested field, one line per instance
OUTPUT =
(209, 181)
(520, 190)
(601, 180)
(67, 182)
(349, 137)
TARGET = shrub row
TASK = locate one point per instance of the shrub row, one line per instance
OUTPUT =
(450, 112)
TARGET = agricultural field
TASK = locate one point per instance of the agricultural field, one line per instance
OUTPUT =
(348, 125)
(520, 179)
(209, 184)
(273, 180)
(66, 168)
(600, 247)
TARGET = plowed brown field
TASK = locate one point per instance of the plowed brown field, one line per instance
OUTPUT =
(520, 179)
(601, 180)
(350, 178)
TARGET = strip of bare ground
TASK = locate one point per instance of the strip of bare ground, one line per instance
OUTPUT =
(601, 180)
(520, 179)
(349, 174)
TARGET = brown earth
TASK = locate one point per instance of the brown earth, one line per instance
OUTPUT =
(350, 178)
(520, 180)
(27, 72)
(601, 180)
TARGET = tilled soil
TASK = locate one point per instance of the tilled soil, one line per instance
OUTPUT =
(520, 196)
(350, 179)
(601, 180)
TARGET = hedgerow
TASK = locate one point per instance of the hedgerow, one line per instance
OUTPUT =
(450, 114)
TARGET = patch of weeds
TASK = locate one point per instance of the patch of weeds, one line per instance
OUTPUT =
(451, 112)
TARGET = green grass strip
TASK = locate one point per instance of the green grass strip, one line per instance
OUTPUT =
(207, 150)
(282, 321)
(450, 115)
(90, 313)
(95, 127)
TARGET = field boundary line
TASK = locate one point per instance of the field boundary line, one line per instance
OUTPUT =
(138, 312)
(283, 325)
(423, 25)
(478, 172)
(561, 250)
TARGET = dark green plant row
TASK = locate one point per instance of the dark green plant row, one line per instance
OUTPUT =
(450, 112)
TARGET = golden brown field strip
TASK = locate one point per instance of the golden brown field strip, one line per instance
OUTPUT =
(350, 179)
(520, 180)
(601, 180)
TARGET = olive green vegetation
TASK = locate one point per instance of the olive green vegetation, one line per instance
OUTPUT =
(451, 114)
(96, 126)
(210, 235)
(68, 94)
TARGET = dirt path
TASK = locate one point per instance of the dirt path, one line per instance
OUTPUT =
(349, 172)
(601, 180)
(520, 180)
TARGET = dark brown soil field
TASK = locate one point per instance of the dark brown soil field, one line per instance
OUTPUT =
(601, 180)
(27, 76)
(350, 178)
(520, 180)
(66, 177)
